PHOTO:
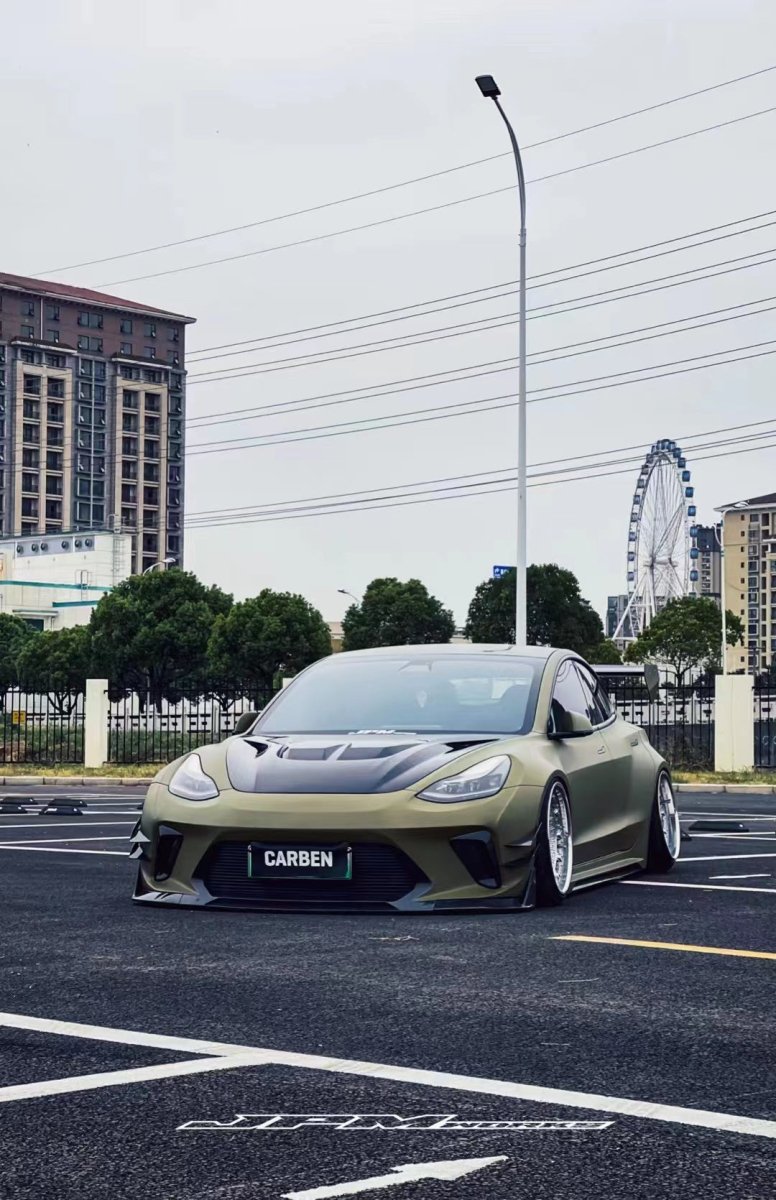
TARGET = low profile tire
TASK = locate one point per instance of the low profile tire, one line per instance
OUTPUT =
(664, 829)
(555, 848)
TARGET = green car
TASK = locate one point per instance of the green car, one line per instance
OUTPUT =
(412, 778)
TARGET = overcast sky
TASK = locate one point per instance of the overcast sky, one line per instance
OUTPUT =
(126, 126)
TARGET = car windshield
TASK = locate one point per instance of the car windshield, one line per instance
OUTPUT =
(482, 693)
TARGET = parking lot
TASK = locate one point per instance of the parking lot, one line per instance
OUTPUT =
(618, 1046)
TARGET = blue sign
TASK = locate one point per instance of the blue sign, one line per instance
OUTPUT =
(499, 572)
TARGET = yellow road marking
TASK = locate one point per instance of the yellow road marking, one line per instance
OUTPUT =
(613, 941)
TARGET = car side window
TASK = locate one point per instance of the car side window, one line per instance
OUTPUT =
(597, 706)
(567, 697)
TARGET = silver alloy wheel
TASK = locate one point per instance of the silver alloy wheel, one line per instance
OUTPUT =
(559, 839)
(669, 817)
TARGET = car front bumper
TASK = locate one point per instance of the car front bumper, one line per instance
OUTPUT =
(409, 855)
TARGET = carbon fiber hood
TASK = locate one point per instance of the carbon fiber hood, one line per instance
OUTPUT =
(337, 763)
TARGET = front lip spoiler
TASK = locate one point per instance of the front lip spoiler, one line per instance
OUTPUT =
(411, 903)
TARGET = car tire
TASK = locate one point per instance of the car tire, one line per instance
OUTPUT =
(664, 829)
(555, 847)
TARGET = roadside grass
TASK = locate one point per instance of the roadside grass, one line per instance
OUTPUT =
(70, 771)
(680, 776)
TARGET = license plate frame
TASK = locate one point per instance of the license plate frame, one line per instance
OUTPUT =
(306, 861)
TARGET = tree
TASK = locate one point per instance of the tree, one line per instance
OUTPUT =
(58, 663)
(150, 634)
(557, 615)
(392, 613)
(14, 635)
(686, 634)
(258, 637)
(604, 654)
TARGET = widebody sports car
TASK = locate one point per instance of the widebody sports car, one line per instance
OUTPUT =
(412, 778)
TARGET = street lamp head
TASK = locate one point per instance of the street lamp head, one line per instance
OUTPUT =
(488, 86)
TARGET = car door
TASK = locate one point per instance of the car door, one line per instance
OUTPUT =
(620, 821)
(585, 762)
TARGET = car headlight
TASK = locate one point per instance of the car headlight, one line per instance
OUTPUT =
(475, 783)
(190, 781)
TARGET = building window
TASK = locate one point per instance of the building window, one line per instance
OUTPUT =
(28, 331)
(174, 498)
(30, 357)
(31, 433)
(129, 372)
(32, 385)
(55, 388)
(126, 325)
(129, 398)
(152, 426)
(151, 495)
(150, 518)
(99, 393)
(175, 429)
(83, 487)
(56, 437)
(173, 358)
(129, 517)
(28, 308)
(52, 312)
(125, 348)
(130, 422)
(90, 343)
(55, 413)
(85, 414)
(31, 410)
(128, 469)
(29, 506)
(150, 543)
(58, 361)
(152, 376)
(54, 460)
(84, 391)
(90, 320)
(31, 458)
(149, 329)
(83, 514)
(129, 446)
(151, 472)
(52, 335)
(30, 482)
(173, 335)
(153, 402)
(149, 352)
(151, 449)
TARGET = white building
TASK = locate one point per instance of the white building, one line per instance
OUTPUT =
(53, 581)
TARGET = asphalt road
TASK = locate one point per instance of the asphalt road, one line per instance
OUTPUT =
(467, 1017)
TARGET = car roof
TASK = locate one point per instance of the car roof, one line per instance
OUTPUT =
(451, 650)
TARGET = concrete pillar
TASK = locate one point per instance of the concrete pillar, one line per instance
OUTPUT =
(733, 723)
(96, 711)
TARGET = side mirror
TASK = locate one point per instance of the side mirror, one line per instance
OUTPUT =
(245, 722)
(577, 725)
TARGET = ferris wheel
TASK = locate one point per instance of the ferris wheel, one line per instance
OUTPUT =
(661, 538)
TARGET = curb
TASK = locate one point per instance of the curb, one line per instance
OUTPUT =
(710, 789)
(65, 781)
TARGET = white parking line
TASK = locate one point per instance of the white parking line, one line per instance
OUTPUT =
(252, 1055)
(740, 876)
(53, 841)
(707, 887)
(685, 815)
(721, 858)
(64, 825)
(83, 1083)
(57, 850)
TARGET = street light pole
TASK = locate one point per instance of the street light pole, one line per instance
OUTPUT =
(491, 90)
(163, 562)
(345, 592)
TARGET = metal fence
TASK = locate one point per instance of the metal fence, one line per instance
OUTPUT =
(764, 724)
(43, 729)
(679, 724)
(142, 729)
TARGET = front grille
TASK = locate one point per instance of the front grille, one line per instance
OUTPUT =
(381, 874)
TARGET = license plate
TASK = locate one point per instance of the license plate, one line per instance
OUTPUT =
(276, 860)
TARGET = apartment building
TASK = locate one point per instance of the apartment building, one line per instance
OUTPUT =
(92, 408)
(749, 536)
(707, 560)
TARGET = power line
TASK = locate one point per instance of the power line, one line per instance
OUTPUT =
(531, 287)
(452, 480)
(417, 179)
(314, 433)
(382, 345)
(579, 349)
(485, 492)
(335, 233)
(194, 356)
